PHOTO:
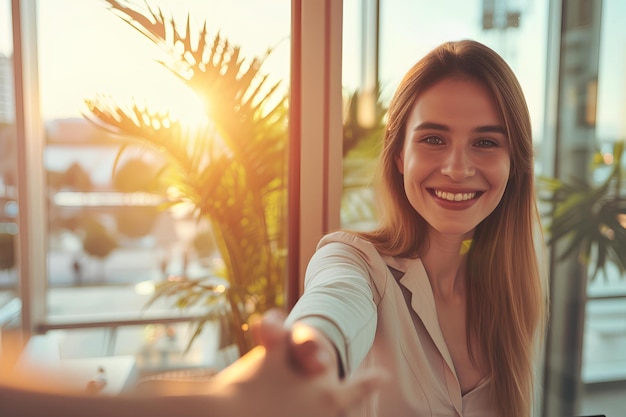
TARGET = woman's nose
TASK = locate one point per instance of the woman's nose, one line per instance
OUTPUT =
(458, 165)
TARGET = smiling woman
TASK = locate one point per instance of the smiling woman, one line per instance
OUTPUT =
(456, 327)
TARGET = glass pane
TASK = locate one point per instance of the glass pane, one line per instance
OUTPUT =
(519, 32)
(9, 303)
(363, 118)
(108, 95)
(407, 31)
(604, 347)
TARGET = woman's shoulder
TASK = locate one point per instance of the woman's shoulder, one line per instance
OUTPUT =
(360, 245)
(343, 248)
(349, 239)
(354, 245)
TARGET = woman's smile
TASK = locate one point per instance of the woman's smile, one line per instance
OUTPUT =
(454, 196)
(454, 200)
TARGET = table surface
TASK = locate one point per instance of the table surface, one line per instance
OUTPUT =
(41, 359)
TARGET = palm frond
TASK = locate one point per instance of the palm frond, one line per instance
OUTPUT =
(233, 170)
(587, 217)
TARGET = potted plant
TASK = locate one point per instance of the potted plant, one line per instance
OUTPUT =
(232, 171)
(591, 218)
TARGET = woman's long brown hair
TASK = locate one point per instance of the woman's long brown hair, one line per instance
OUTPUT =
(506, 299)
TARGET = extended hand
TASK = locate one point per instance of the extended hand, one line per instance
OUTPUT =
(293, 373)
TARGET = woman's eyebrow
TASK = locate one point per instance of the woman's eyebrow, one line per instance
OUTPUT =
(490, 129)
(431, 125)
(442, 127)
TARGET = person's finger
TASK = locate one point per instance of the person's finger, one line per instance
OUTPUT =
(268, 330)
(307, 355)
(357, 389)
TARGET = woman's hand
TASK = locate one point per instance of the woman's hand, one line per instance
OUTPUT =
(310, 352)
(292, 373)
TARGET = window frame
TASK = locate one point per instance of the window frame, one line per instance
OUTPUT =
(315, 151)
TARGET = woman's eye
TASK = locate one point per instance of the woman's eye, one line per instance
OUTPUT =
(432, 140)
(487, 143)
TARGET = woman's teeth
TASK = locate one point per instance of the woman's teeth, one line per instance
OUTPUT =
(454, 196)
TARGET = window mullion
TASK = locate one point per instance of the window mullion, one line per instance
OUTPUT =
(32, 214)
(316, 131)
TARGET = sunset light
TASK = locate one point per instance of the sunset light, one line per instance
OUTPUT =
(110, 57)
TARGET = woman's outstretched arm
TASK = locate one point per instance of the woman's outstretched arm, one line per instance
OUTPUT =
(290, 373)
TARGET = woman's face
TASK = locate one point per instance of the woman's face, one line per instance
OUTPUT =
(455, 158)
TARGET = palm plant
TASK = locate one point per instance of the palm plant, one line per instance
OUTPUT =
(232, 170)
(362, 143)
(591, 217)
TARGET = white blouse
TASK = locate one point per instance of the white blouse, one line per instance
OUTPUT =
(380, 311)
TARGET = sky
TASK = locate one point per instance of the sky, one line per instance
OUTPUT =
(85, 50)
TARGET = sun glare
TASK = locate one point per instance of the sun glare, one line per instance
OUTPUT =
(301, 334)
(185, 106)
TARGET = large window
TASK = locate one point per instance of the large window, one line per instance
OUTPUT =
(604, 356)
(528, 35)
(109, 239)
